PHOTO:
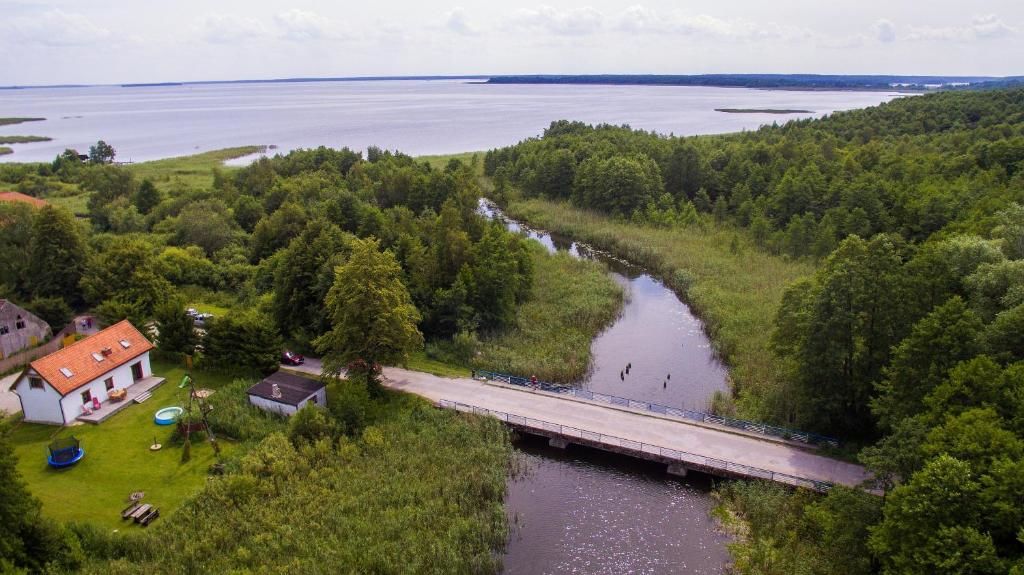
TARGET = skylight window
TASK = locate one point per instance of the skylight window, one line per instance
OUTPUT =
(97, 356)
(67, 372)
(125, 343)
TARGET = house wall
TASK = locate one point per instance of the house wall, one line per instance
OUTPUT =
(321, 399)
(39, 405)
(72, 403)
(272, 406)
(15, 340)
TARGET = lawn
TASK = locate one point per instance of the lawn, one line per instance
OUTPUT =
(440, 161)
(118, 460)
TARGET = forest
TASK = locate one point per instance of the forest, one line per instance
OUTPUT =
(905, 339)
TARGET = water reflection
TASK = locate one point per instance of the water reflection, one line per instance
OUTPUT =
(585, 511)
(671, 359)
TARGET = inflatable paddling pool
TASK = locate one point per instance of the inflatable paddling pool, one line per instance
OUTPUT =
(167, 415)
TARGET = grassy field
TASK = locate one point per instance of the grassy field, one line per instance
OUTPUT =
(420, 362)
(5, 150)
(118, 460)
(23, 139)
(735, 291)
(571, 301)
(440, 161)
(196, 171)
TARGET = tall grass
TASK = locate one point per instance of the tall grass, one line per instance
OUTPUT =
(195, 171)
(734, 287)
(571, 301)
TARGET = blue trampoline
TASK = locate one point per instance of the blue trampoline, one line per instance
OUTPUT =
(65, 452)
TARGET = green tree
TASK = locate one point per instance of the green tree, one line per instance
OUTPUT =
(52, 310)
(176, 328)
(930, 525)
(976, 437)
(242, 340)
(372, 316)
(302, 278)
(1004, 337)
(126, 277)
(101, 153)
(940, 340)
(207, 224)
(58, 255)
(146, 197)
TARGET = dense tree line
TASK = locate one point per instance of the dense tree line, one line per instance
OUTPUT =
(911, 167)
(266, 238)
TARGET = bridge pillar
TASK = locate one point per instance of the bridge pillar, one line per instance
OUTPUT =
(677, 469)
(558, 442)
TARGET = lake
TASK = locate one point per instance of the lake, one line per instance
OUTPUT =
(418, 117)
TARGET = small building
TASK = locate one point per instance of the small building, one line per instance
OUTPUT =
(20, 329)
(68, 384)
(285, 393)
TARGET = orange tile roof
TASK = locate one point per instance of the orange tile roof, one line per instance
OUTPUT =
(20, 197)
(83, 367)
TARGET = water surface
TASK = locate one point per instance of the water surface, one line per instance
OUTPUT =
(415, 116)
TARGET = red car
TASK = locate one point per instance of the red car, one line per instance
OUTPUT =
(292, 358)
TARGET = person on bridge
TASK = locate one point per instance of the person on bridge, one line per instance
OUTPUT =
(533, 381)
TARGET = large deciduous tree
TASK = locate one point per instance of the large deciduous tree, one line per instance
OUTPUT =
(372, 315)
(58, 255)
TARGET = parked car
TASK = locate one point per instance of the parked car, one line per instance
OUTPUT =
(292, 358)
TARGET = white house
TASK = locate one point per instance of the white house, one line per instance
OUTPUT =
(60, 387)
(285, 393)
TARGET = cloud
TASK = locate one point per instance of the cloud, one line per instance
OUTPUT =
(55, 27)
(456, 21)
(576, 22)
(638, 19)
(226, 28)
(301, 25)
(884, 31)
(986, 27)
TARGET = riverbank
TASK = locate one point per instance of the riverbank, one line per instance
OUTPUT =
(571, 301)
(733, 286)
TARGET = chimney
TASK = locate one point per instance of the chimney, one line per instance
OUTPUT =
(275, 391)
(106, 351)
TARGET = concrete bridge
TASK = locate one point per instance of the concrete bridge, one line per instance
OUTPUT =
(680, 444)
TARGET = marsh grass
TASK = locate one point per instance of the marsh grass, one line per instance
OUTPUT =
(12, 121)
(5, 150)
(734, 287)
(194, 171)
(23, 139)
(571, 301)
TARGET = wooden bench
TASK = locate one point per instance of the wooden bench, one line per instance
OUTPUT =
(128, 511)
(148, 517)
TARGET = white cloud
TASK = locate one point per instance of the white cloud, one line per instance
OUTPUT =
(576, 22)
(987, 27)
(456, 21)
(226, 28)
(55, 27)
(884, 30)
(639, 19)
(301, 25)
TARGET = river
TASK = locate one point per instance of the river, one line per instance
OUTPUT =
(588, 512)
(415, 116)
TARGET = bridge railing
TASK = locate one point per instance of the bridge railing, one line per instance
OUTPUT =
(701, 416)
(682, 457)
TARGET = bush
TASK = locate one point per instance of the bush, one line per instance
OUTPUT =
(53, 310)
(233, 416)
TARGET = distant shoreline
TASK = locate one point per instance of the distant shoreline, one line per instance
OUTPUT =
(801, 82)
(762, 111)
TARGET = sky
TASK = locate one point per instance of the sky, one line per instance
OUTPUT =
(124, 41)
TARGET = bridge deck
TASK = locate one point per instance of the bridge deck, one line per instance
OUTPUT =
(669, 434)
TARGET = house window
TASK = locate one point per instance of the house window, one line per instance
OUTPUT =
(35, 383)
(19, 323)
(137, 371)
(109, 383)
(86, 397)
(4, 330)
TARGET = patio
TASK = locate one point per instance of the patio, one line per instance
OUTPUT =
(109, 408)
